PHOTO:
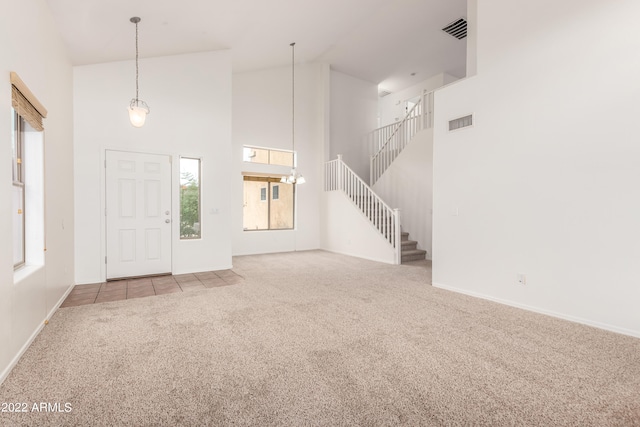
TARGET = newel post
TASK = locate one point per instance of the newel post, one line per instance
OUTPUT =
(398, 236)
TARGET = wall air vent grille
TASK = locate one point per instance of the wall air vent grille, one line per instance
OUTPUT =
(383, 93)
(461, 122)
(457, 29)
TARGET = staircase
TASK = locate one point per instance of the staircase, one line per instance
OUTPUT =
(387, 144)
(389, 141)
(384, 219)
(408, 248)
(409, 251)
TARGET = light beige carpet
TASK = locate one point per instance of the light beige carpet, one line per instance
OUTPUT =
(318, 339)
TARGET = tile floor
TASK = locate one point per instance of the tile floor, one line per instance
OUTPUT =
(148, 286)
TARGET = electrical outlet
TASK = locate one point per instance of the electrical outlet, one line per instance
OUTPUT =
(522, 279)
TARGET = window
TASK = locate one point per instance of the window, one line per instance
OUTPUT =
(278, 211)
(27, 154)
(267, 156)
(190, 198)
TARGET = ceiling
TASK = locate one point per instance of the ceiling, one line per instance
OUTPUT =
(381, 41)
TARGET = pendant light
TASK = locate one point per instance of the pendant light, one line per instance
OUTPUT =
(138, 109)
(294, 177)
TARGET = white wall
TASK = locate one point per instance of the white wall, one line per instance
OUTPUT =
(546, 182)
(408, 185)
(391, 108)
(190, 101)
(347, 231)
(472, 37)
(262, 117)
(354, 105)
(38, 56)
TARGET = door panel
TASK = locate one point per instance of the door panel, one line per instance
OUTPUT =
(138, 213)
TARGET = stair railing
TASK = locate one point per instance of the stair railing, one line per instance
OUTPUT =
(339, 176)
(390, 140)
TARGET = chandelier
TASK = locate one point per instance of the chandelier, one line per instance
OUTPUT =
(294, 177)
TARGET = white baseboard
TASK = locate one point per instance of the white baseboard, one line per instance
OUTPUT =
(383, 261)
(60, 301)
(17, 357)
(27, 344)
(599, 325)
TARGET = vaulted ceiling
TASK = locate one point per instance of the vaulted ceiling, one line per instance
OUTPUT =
(394, 43)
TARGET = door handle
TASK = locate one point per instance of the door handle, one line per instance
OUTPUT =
(167, 221)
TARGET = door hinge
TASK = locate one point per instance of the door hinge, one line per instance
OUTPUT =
(105, 163)
(105, 259)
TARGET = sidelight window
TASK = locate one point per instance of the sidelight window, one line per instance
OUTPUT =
(190, 206)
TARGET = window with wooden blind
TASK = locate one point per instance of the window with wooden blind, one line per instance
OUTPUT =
(27, 174)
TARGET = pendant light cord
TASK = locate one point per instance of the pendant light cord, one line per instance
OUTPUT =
(135, 20)
(137, 61)
(293, 104)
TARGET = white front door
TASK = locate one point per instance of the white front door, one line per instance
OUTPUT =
(138, 211)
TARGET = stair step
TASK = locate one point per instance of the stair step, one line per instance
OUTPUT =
(408, 245)
(404, 236)
(413, 255)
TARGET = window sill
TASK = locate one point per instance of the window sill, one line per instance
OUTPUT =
(24, 272)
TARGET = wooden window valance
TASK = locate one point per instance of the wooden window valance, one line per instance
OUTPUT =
(26, 104)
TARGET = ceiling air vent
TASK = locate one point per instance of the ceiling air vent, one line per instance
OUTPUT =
(457, 29)
(461, 122)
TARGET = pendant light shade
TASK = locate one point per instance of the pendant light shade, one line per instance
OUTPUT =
(294, 177)
(138, 109)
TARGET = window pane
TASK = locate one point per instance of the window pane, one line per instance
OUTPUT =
(267, 156)
(16, 147)
(189, 198)
(281, 209)
(256, 155)
(18, 225)
(284, 158)
(255, 213)
(19, 244)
